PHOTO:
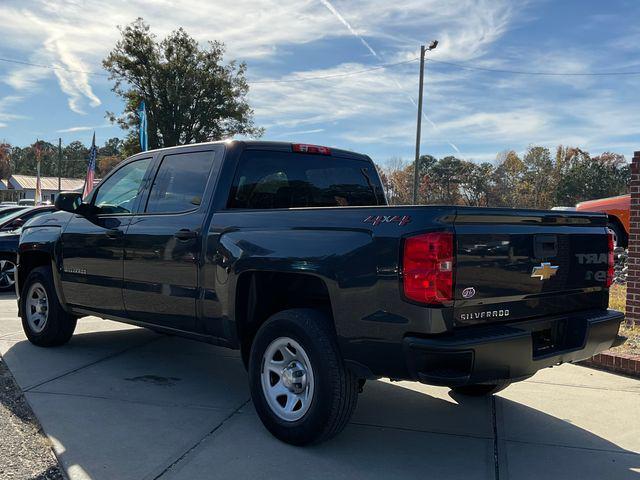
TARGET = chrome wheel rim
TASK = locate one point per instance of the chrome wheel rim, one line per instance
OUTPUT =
(7, 274)
(37, 307)
(287, 379)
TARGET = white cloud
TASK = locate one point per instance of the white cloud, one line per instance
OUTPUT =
(85, 128)
(77, 35)
(5, 104)
(299, 132)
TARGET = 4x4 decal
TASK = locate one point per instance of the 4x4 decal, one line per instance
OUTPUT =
(401, 220)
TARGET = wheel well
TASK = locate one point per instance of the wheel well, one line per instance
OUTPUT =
(624, 241)
(29, 261)
(261, 294)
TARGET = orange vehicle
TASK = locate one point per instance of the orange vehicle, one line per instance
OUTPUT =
(617, 208)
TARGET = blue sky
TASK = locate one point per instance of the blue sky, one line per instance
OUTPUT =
(471, 114)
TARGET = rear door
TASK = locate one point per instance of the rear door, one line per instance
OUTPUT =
(512, 264)
(163, 243)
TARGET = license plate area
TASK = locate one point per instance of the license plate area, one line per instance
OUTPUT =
(558, 336)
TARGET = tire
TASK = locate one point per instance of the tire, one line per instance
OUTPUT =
(619, 235)
(7, 273)
(44, 322)
(300, 345)
(479, 390)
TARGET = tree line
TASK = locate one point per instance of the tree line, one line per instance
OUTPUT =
(73, 164)
(537, 179)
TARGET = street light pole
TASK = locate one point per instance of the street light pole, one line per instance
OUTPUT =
(423, 50)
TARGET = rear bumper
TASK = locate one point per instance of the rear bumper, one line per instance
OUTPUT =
(509, 352)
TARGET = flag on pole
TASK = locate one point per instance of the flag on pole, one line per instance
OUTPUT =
(91, 169)
(38, 195)
(142, 114)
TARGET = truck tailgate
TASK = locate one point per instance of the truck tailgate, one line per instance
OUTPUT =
(518, 264)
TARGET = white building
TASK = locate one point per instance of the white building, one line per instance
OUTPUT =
(25, 186)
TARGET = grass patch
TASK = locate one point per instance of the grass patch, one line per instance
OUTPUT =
(618, 301)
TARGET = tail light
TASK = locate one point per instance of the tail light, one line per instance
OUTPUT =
(305, 148)
(427, 268)
(610, 260)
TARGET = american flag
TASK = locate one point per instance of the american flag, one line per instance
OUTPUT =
(38, 195)
(91, 169)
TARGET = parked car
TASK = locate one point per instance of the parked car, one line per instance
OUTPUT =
(289, 253)
(10, 228)
(617, 210)
(7, 210)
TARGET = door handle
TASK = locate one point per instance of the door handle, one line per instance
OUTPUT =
(185, 234)
(114, 233)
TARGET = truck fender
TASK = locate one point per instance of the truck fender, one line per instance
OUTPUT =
(41, 246)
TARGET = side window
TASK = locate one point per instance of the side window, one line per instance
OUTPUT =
(180, 182)
(120, 191)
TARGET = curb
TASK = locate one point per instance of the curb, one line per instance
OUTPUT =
(615, 362)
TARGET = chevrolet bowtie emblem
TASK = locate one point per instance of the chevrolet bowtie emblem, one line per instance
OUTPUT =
(544, 271)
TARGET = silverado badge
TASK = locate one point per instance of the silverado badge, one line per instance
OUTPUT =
(544, 271)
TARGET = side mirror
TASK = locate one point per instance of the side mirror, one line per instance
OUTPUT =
(68, 201)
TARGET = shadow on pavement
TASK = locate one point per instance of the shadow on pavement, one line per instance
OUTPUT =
(395, 429)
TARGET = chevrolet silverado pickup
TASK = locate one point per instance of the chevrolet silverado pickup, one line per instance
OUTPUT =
(289, 253)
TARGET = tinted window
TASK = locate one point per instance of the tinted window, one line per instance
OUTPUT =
(286, 180)
(24, 216)
(119, 192)
(180, 182)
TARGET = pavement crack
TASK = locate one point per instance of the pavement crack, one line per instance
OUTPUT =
(108, 357)
(417, 430)
(574, 447)
(494, 421)
(199, 442)
(588, 387)
(129, 401)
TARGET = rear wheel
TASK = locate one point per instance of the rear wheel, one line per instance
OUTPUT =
(479, 390)
(300, 387)
(44, 321)
(619, 235)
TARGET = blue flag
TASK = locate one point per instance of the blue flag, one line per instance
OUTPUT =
(142, 114)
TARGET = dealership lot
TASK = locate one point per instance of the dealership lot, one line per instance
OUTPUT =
(123, 402)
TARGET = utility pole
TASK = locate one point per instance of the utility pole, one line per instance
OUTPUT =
(423, 50)
(59, 165)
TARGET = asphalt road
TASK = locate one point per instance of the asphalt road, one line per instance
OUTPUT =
(125, 403)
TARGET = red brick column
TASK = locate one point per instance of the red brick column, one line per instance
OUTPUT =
(633, 279)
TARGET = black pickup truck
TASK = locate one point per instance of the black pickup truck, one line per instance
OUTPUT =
(289, 253)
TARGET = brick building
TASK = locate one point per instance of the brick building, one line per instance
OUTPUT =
(633, 279)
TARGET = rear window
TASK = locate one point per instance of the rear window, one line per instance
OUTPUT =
(267, 180)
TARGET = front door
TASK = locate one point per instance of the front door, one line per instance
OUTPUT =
(93, 245)
(163, 243)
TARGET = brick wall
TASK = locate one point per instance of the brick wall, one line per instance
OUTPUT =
(633, 279)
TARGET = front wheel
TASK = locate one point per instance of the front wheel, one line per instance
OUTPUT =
(44, 321)
(300, 387)
(7, 273)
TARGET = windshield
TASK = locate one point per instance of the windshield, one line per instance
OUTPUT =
(8, 218)
(11, 213)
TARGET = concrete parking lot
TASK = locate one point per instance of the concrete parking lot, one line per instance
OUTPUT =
(122, 403)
